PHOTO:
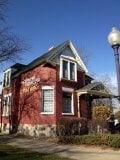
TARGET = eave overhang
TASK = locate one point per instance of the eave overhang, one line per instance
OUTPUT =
(95, 94)
(96, 90)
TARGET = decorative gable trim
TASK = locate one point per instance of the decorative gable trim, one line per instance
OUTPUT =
(50, 55)
(74, 51)
(78, 59)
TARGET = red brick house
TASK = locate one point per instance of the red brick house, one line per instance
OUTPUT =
(54, 86)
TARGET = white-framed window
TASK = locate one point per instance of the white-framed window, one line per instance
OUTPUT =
(68, 101)
(7, 78)
(47, 100)
(68, 69)
(6, 105)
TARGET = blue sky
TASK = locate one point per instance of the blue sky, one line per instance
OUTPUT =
(46, 23)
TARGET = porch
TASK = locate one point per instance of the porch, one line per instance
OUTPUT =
(88, 94)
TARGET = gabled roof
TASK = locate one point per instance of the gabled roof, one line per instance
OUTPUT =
(88, 76)
(96, 88)
(18, 66)
(47, 57)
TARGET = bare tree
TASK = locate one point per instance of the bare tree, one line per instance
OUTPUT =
(85, 55)
(3, 7)
(11, 46)
(107, 81)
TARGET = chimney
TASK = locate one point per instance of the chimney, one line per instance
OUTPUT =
(49, 49)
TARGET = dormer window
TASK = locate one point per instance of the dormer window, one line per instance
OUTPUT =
(72, 71)
(7, 77)
(65, 69)
(68, 69)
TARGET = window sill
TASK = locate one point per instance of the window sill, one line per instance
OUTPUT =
(68, 114)
(4, 87)
(6, 116)
(47, 113)
(66, 79)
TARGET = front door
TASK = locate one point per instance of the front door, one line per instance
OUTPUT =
(83, 107)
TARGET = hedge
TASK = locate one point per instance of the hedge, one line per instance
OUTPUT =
(68, 127)
(93, 139)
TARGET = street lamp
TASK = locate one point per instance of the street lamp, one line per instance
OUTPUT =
(114, 40)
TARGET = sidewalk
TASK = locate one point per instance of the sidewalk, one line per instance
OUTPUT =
(71, 151)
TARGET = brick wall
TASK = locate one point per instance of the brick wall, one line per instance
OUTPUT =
(68, 84)
(28, 99)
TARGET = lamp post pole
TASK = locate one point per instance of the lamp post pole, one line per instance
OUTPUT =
(117, 63)
(114, 40)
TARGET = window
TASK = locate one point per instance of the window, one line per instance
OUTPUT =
(7, 76)
(6, 105)
(72, 71)
(68, 70)
(65, 69)
(48, 99)
(67, 102)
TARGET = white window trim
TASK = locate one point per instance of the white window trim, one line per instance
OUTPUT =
(63, 58)
(70, 90)
(69, 70)
(67, 89)
(8, 113)
(78, 58)
(6, 77)
(47, 88)
(6, 95)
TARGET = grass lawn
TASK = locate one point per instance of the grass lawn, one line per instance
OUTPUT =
(12, 153)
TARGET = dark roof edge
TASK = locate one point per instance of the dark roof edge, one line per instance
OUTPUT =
(15, 65)
(27, 68)
(89, 77)
(45, 58)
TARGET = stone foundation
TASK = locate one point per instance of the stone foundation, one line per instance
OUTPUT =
(37, 130)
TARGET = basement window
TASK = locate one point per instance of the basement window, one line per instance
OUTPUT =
(4, 127)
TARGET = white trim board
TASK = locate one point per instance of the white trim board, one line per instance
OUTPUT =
(78, 58)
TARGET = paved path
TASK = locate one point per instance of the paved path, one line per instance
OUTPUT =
(71, 151)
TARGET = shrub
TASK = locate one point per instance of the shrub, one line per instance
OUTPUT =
(72, 126)
(117, 115)
(114, 141)
(100, 115)
(94, 139)
(95, 127)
